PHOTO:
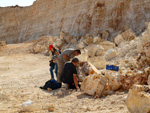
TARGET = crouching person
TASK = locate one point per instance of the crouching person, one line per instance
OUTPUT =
(69, 74)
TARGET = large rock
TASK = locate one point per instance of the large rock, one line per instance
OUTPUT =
(98, 61)
(113, 80)
(94, 50)
(118, 39)
(94, 85)
(84, 55)
(138, 100)
(110, 54)
(128, 35)
(97, 39)
(89, 68)
(107, 45)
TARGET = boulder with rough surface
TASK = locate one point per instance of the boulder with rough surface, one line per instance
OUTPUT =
(94, 85)
(128, 35)
(118, 39)
(113, 80)
(138, 100)
(94, 50)
(98, 61)
(110, 54)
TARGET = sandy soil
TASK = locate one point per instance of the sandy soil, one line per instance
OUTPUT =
(21, 75)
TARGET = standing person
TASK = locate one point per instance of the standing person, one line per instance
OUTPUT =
(69, 74)
(53, 62)
(63, 58)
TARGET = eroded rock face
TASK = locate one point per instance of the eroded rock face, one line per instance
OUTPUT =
(138, 100)
(94, 85)
(19, 24)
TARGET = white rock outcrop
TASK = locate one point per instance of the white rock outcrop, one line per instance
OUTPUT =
(138, 100)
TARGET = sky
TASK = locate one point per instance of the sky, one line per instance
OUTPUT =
(4, 3)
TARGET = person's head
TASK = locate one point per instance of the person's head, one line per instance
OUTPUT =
(75, 61)
(51, 48)
(77, 52)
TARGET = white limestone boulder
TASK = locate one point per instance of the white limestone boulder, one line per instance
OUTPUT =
(94, 50)
(83, 57)
(128, 35)
(107, 45)
(94, 85)
(110, 54)
(138, 99)
(118, 39)
(89, 68)
(98, 61)
(96, 40)
(113, 80)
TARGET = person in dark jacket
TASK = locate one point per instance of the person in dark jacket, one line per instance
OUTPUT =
(69, 74)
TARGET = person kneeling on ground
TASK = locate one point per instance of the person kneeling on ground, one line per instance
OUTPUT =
(64, 57)
(69, 74)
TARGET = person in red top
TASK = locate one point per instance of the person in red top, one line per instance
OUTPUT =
(53, 62)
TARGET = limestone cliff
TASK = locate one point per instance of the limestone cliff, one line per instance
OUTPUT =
(77, 17)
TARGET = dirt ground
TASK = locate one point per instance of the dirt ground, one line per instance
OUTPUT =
(22, 74)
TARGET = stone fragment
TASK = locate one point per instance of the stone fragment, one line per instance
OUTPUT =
(128, 35)
(28, 106)
(94, 85)
(110, 54)
(98, 61)
(51, 108)
(118, 39)
(138, 100)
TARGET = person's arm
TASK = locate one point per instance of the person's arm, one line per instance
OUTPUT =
(57, 56)
(75, 80)
(66, 57)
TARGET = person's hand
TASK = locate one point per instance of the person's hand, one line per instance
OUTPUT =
(78, 89)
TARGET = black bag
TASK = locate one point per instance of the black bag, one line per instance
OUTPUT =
(51, 84)
(51, 63)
